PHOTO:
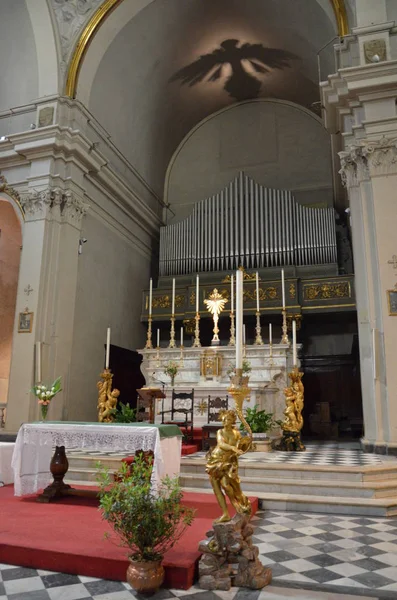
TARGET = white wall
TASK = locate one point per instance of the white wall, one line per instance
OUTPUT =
(279, 144)
(18, 62)
(112, 273)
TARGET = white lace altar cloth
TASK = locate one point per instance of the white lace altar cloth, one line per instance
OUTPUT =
(35, 444)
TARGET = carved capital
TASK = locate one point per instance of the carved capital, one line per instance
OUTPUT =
(354, 168)
(381, 155)
(64, 204)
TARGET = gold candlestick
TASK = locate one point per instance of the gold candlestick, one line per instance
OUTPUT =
(172, 333)
(181, 357)
(258, 339)
(232, 341)
(271, 353)
(107, 398)
(293, 419)
(284, 339)
(149, 345)
(158, 355)
(196, 343)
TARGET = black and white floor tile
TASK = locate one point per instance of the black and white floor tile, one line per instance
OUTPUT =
(312, 556)
(325, 454)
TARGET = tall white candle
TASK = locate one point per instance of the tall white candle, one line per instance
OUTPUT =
(173, 297)
(239, 319)
(270, 334)
(257, 291)
(294, 343)
(197, 294)
(107, 349)
(283, 287)
(150, 297)
(158, 338)
(232, 293)
(38, 362)
(243, 335)
(181, 336)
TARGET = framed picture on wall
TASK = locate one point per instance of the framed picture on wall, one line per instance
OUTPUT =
(392, 302)
(25, 322)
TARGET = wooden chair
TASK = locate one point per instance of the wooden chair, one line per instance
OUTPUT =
(215, 405)
(181, 413)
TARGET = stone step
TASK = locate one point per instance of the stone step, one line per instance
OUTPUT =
(370, 507)
(266, 470)
(85, 476)
(347, 489)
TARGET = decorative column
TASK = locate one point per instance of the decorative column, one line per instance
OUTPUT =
(49, 262)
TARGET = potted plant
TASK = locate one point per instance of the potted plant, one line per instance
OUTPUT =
(148, 523)
(261, 422)
(231, 370)
(171, 369)
(124, 414)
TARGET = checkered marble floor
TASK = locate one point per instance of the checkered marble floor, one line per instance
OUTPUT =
(315, 454)
(331, 453)
(312, 556)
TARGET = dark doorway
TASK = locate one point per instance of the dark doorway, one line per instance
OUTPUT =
(126, 367)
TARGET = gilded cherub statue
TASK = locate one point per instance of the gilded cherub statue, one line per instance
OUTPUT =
(293, 419)
(222, 466)
(107, 398)
(215, 304)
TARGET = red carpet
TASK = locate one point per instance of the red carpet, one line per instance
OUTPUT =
(67, 536)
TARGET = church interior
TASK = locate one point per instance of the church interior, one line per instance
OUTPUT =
(197, 244)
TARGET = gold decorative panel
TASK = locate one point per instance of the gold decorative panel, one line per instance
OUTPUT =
(327, 291)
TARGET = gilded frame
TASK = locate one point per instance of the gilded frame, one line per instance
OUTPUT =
(392, 302)
(25, 322)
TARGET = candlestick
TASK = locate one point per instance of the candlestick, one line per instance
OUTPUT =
(239, 319)
(232, 294)
(257, 292)
(197, 294)
(149, 344)
(284, 338)
(258, 338)
(283, 287)
(196, 343)
(232, 340)
(172, 333)
(173, 298)
(38, 362)
(107, 348)
(158, 338)
(150, 296)
(294, 361)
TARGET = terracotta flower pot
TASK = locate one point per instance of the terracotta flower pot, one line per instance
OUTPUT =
(145, 577)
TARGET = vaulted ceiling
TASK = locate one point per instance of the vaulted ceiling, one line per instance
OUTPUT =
(157, 68)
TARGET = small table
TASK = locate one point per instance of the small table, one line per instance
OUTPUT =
(149, 396)
(33, 466)
(208, 440)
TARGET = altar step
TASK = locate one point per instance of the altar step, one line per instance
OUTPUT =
(363, 490)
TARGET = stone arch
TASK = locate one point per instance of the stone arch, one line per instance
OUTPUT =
(11, 223)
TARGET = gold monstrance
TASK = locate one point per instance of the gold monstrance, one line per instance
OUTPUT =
(215, 305)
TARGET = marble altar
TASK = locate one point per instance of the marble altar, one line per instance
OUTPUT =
(205, 370)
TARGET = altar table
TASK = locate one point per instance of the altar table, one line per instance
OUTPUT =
(6, 451)
(36, 441)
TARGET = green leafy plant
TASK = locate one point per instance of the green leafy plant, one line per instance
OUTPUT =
(231, 370)
(260, 421)
(171, 368)
(124, 414)
(147, 523)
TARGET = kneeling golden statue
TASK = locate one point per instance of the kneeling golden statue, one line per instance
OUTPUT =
(222, 466)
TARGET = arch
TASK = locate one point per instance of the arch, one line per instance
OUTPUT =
(109, 6)
(46, 47)
(222, 111)
(11, 244)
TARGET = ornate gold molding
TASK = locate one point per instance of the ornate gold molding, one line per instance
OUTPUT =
(109, 5)
(326, 291)
(84, 41)
(165, 301)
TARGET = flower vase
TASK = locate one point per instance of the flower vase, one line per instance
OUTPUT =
(44, 411)
(172, 380)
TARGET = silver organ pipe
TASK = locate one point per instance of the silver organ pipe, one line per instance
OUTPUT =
(250, 225)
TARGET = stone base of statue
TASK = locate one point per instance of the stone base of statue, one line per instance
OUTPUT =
(290, 442)
(230, 558)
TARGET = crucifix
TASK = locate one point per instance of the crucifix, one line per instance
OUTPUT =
(393, 261)
(28, 290)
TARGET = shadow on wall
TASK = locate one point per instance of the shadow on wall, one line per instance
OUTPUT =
(241, 65)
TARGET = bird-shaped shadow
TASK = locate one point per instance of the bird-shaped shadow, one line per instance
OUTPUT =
(241, 85)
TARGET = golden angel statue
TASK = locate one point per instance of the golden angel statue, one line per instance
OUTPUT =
(222, 466)
(107, 398)
(215, 304)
